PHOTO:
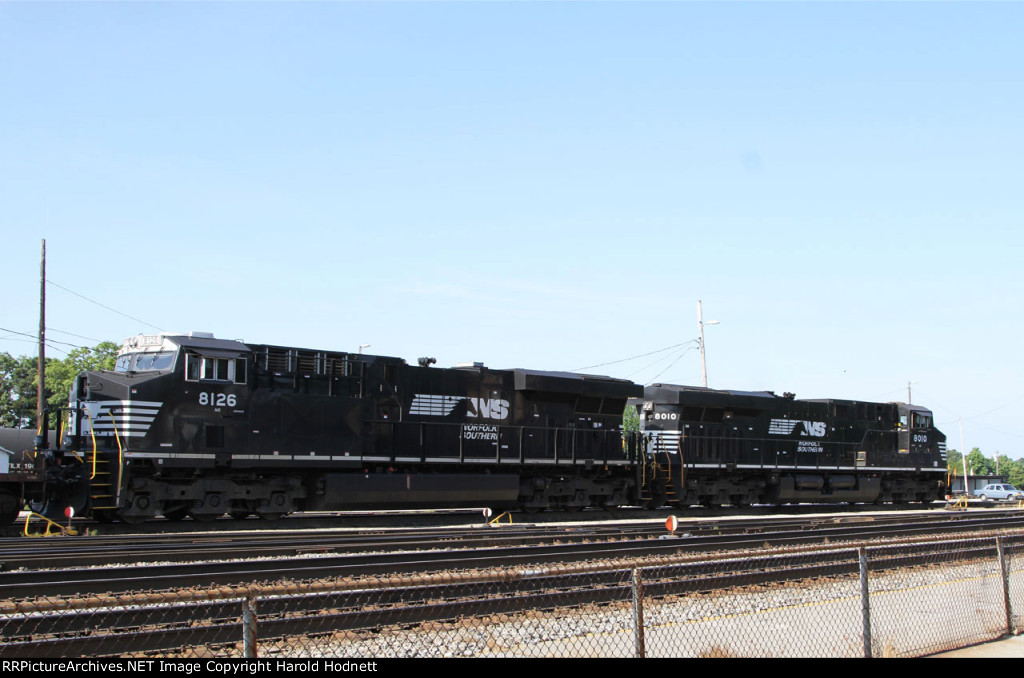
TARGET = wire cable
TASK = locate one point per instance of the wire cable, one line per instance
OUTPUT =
(72, 334)
(678, 358)
(112, 310)
(34, 337)
(642, 355)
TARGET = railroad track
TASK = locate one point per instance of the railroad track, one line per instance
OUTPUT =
(159, 563)
(179, 546)
(55, 553)
(152, 624)
(449, 517)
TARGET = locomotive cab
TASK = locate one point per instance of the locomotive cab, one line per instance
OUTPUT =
(166, 391)
(917, 434)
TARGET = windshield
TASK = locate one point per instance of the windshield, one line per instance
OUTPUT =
(144, 362)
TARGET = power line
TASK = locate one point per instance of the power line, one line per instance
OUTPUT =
(24, 334)
(72, 334)
(642, 355)
(91, 301)
(36, 341)
(33, 337)
(678, 358)
(658, 361)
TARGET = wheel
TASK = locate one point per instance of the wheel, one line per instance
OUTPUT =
(983, 497)
(105, 516)
(205, 517)
(240, 510)
(10, 505)
(176, 514)
(271, 516)
(656, 501)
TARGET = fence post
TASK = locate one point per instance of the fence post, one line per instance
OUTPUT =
(248, 628)
(865, 601)
(1004, 569)
(638, 613)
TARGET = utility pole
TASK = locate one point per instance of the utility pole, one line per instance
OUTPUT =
(700, 327)
(42, 426)
(963, 456)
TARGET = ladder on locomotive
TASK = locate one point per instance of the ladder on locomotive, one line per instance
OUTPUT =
(656, 487)
(104, 483)
(103, 480)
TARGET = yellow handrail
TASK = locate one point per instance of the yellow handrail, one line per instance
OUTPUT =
(92, 434)
(120, 456)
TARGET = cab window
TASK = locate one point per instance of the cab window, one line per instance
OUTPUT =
(205, 368)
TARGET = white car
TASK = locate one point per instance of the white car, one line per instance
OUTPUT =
(999, 491)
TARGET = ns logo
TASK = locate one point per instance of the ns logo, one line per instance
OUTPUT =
(814, 428)
(786, 427)
(486, 408)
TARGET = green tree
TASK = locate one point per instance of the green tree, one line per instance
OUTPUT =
(1013, 471)
(61, 374)
(17, 391)
(979, 464)
(630, 420)
(19, 382)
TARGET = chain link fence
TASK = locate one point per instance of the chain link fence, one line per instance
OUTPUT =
(882, 601)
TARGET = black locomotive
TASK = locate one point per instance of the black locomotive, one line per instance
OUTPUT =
(732, 447)
(194, 425)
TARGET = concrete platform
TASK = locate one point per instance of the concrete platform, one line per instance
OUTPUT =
(1011, 646)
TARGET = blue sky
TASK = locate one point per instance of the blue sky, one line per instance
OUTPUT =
(550, 185)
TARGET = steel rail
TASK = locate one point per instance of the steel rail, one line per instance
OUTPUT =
(92, 551)
(30, 583)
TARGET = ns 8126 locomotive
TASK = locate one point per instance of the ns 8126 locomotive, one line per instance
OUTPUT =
(732, 447)
(194, 425)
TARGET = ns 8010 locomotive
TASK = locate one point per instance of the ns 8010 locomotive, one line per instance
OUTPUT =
(194, 425)
(732, 447)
